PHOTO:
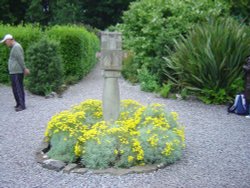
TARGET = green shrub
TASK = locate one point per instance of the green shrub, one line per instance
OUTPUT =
(45, 65)
(129, 68)
(209, 61)
(150, 25)
(26, 36)
(148, 82)
(165, 90)
(77, 48)
(141, 135)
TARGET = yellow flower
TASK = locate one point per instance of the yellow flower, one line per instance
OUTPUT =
(116, 151)
(83, 123)
(130, 159)
(168, 149)
(77, 149)
(175, 115)
(136, 147)
(181, 133)
(56, 131)
(153, 140)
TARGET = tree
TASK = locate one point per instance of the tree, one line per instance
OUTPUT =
(38, 12)
(240, 9)
(65, 12)
(99, 14)
(13, 11)
(102, 14)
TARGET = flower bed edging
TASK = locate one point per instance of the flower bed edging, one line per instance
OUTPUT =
(57, 165)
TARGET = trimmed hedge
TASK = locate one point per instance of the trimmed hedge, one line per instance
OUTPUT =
(77, 47)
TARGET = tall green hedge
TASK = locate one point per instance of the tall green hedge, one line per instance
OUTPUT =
(77, 47)
(26, 36)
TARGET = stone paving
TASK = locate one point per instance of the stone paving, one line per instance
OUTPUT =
(217, 152)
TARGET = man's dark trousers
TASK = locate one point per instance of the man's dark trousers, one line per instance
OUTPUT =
(18, 90)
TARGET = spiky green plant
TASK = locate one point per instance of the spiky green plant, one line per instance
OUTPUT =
(210, 58)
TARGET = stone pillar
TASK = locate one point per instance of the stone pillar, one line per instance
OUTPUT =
(111, 64)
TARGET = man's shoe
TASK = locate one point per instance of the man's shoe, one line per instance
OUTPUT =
(19, 108)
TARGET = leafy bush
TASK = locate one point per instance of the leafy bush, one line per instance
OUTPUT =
(165, 90)
(147, 81)
(142, 135)
(129, 68)
(26, 36)
(209, 61)
(149, 25)
(45, 65)
(77, 48)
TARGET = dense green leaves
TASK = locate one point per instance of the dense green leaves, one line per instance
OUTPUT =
(149, 25)
(209, 61)
(13, 11)
(99, 14)
(46, 68)
(240, 9)
(78, 48)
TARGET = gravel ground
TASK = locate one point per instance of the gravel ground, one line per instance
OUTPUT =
(217, 153)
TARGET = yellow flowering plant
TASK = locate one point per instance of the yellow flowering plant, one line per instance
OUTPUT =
(141, 135)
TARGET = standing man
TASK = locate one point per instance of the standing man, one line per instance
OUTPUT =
(16, 67)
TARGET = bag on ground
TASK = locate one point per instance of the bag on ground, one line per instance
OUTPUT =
(240, 106)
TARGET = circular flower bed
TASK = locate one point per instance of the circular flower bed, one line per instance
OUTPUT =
(141, 135)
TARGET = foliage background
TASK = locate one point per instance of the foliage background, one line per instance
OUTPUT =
(99, 14)
(150, 25)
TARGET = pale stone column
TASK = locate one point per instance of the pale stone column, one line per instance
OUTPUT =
(111, 63)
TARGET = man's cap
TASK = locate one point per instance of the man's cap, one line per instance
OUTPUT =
(6, 37)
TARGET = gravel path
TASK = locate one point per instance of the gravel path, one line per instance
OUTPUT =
(217, 153)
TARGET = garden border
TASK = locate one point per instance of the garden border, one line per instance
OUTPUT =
(58, 165)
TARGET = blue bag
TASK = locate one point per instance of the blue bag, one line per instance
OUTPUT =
(240, 106)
